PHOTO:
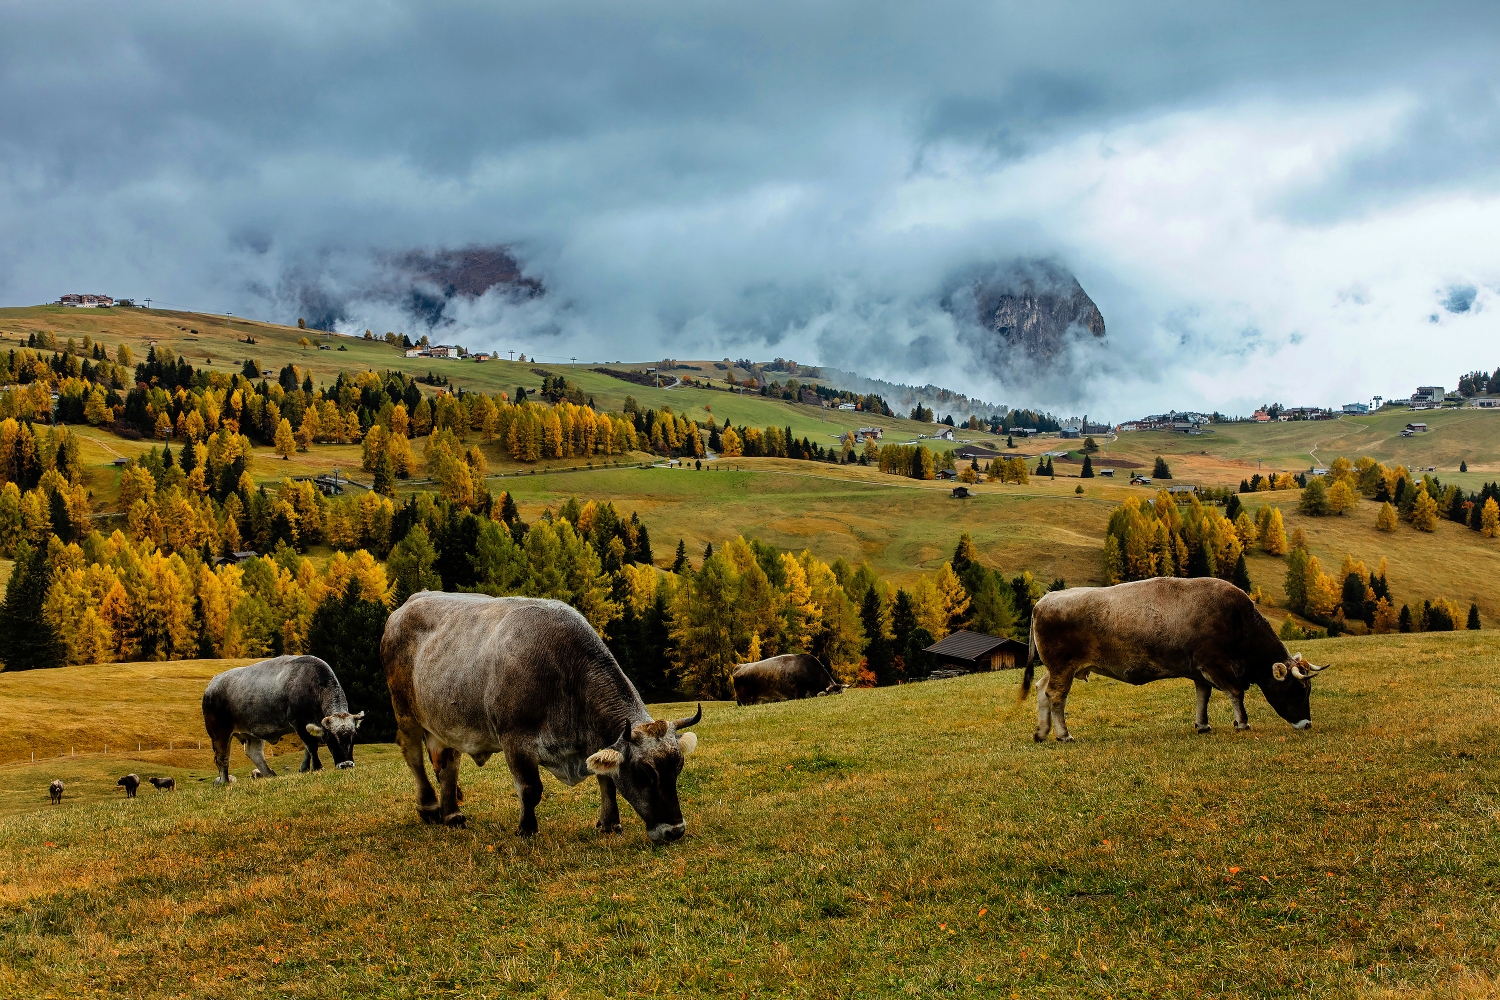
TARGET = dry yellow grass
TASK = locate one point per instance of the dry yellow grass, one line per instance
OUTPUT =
(902, 841)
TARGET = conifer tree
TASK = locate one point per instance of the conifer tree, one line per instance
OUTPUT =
(1386, 519)
(27, 639)
(964, 555)
(1241, 578)
(1489, 519)
(1088, 468)
(1403, 623)
(285, 444)
(1424, 511)
(1463, 466)
(681, 562)
(1295, 585)
(385, 474)
(1473, 622)
(1273, 536)
(1161, 470)
(345, 632)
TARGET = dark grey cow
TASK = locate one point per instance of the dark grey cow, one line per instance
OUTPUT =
(268, 700)
(164, 784)
(783, 678)
(55, 790)
(130, 783)
(529, 679)
(1202, 629)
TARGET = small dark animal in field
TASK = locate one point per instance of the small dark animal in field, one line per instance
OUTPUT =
(55, 790)
(164, 784)
(130, 783)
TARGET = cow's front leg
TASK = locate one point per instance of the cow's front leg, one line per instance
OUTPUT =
(310, 759)
(609, 808)
(528, 788)
(445, 761)
(1205, 690)
(1237, 702)
(255, 749)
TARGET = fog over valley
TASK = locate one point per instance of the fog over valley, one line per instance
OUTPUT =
(1082, 209)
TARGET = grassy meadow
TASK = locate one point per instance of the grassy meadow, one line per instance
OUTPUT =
(907, 841)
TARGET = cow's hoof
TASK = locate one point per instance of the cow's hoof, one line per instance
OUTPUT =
(526, 831)
(1038, 738)
(1202, 730)
(1239, 728)
(456, 820)
(1065, 739)
(429, 814)
(604, 827)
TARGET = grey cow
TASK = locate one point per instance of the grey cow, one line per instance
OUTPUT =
(529, 679)
(268, 700)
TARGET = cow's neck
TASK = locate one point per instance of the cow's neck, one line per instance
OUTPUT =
(611, 702)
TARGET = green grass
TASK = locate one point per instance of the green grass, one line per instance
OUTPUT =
(907, 841)
(901, 526)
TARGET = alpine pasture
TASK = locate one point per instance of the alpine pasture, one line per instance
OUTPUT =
(899, 841)
(907, 840)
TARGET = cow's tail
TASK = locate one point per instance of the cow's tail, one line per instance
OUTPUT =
(1031, 661)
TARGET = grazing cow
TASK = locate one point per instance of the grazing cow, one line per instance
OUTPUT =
(267, 700)
(130, 783)
(529, 679)
(1203, 629)
(783, 678)
(164, 784)
(55, 790)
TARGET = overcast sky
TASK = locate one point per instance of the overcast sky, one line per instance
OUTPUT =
(1287, 201)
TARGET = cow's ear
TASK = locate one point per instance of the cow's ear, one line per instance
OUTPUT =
(1279, 671)
(687, 742)
(358, 718)
(314, 730)
(606, 763)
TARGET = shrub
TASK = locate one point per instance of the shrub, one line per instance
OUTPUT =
(1314, 502)
(1161, 470)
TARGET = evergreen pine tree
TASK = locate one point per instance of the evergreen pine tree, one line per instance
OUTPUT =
(385, 475)
(708, 551)
(1404, 622)
(1241, 578)
(1232, 507)
(1463, 466)
(878, 658)
(346, 632)
(964, 555)
(1088, 468)
(27, 639)
(643, 552)
(1161, 470)
(1473, 622)
(681, 562)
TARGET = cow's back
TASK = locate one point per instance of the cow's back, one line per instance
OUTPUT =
(472, 668)
(1148, 625)
(779, 678)
(261, 695)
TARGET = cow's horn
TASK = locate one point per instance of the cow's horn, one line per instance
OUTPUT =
(1299, 673)
(691, 720)
(1315, 668)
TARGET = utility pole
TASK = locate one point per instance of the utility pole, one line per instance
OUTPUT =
(512, 355)
(572, 362)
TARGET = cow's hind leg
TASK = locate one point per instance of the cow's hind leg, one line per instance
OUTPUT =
(445, 762)
(221, 756)
(528, 787)
(255, 749)
(1205, 690)
(412, 739)
(1043, 710)
(609, 807)
(1057, 687)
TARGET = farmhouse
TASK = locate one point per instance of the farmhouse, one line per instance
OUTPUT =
(973, 651)
(961, 493)
(945, 434)
(1417, 428)
(869, 432)
(1107, 472)
(446, 351)
(418, 352)
(1261, 417)
(86, 301)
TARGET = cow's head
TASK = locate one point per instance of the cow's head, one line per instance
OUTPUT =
(644, 764)
(834, 687)
(337, 733)
(1289, 687)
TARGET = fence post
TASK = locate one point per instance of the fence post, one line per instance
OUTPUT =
(169, 744)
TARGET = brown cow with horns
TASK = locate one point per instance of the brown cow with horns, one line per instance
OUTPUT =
(1203, 629)
(529, 679)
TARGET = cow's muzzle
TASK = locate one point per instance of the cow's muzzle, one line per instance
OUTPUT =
(665, 833)
(345, 765)
(1304, 724)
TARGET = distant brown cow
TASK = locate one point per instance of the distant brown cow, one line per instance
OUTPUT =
(55, 790)
(164, 784)
(783, 678)
(1203, 629)
(130, 783)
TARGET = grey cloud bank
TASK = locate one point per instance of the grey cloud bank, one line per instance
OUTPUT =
(1265, 203)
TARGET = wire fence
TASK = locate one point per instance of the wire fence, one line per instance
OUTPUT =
(128, 748)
